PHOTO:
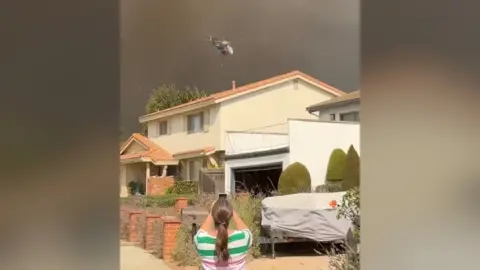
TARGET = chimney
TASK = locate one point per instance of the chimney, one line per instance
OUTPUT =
(233, 85)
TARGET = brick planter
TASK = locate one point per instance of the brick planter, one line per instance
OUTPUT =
(171, 226)
(153, 233)
(181, 203)
(133, 220)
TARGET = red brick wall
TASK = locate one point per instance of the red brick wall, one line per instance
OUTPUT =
(171, 226)
(180, 203)
(157, 185)
(153, 233)
(135, 234)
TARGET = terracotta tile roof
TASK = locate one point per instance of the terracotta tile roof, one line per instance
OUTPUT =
(255, 85)
(153, 151)
(344, 98)
(200, 151)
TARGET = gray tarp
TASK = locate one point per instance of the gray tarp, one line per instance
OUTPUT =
(305, 215)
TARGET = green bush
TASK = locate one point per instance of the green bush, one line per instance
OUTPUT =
(184, 187)
(135, 187)
(351, 178)
(295, 178)
(185, 253)
(336, 165)
(349, 209)
(169, 191)
(249, 208)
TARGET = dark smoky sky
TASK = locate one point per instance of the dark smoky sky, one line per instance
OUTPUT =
(164, 42)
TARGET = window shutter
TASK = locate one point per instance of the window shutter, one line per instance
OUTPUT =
(206, 120)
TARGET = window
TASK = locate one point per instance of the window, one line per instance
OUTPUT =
(332, 117)
(163, 128)
(350, 117)
(195, 123)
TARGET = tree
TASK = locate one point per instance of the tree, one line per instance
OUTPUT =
(295, 178)
(336, 165)
(168, 95)
(351, 175)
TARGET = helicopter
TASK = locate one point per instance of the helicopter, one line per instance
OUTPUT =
(222, 45)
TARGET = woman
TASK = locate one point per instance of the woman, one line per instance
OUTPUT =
(220, 247)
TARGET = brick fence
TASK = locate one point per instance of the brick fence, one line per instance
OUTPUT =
(155, 233)
(157, 185)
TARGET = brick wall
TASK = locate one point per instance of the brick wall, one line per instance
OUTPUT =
(154, 233)
(180, 203)
(157, 185)
(171, 226)
(136, 226)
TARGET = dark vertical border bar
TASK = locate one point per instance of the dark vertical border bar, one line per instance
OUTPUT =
(59, 105)
(420, 134)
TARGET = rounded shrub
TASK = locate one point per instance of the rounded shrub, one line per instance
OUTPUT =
(351, 175)
(336, 165)
(294, 179)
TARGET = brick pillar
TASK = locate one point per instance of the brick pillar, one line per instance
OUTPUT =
(133, 222)
(181, 203)
(153, 232)
(171, 225)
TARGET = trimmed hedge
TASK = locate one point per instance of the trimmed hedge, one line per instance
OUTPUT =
(183, 187)
(336, 165)
(294, 179)
(351, 177)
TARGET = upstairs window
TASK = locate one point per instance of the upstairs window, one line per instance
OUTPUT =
(195, 123)
(163, 128)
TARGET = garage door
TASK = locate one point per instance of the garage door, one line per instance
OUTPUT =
(276, 166)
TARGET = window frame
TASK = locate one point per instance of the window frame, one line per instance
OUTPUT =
(159, 131)
(202, 123)
(356, 113)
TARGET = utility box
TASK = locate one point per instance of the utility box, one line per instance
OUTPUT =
(193, 217)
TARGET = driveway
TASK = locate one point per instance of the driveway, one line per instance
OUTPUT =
(135, 258)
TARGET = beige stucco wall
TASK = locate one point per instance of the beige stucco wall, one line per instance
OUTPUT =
(268, 110)
(131, 172)
(179, 140)
(123, 181)
(134, 148)
(136, 172)
(324, 115)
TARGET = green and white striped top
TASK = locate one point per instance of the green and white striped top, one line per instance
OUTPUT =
(238, 244)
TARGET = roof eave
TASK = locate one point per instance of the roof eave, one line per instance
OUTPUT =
(316, 108)
(174, 111)
(298, 76)
(165, 162)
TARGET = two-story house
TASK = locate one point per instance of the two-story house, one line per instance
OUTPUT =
(343, 108)
(192, 135)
